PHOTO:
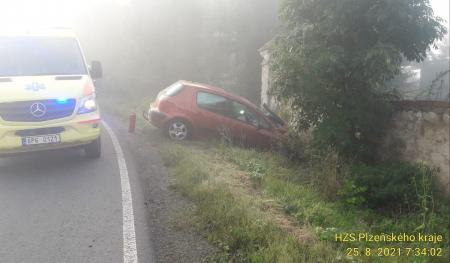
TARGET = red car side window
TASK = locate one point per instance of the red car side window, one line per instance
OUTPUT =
(243, 113)
(214, 103)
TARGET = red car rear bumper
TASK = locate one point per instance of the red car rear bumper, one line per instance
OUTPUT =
(156, 118)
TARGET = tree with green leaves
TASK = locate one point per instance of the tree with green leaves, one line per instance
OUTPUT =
(332, 60)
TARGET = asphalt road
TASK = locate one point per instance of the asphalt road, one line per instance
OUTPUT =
(61, 207)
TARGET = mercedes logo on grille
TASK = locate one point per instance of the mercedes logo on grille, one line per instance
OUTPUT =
(38, 110)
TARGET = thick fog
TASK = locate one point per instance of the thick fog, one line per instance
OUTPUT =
(145, 45)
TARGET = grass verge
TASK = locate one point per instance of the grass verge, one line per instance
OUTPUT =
(231, 218)
(232, 188)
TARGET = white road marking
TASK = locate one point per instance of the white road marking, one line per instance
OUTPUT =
(129, 234)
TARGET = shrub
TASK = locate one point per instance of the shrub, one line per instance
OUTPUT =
(328, 169)
(352, 195)
(393, 185)
(296, 145)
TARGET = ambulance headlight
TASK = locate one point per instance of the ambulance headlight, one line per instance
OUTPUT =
(88, 104)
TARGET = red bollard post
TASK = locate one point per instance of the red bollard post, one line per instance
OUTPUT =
(132, 123)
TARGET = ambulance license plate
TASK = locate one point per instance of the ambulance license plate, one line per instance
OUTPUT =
(41, 139)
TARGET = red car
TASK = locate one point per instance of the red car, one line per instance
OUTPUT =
(187, 109)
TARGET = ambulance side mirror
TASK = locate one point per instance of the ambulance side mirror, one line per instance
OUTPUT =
(96, 70)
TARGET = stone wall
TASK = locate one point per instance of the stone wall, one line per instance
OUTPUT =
(420, 132)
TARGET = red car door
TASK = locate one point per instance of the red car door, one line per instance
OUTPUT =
(248, 127)
(209, 114)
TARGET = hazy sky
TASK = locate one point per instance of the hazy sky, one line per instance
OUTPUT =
(67, 12)
(441, 8)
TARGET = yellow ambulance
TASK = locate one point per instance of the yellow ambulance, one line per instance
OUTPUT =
(47, 93)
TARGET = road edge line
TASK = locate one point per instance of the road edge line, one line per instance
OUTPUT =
(129, 233)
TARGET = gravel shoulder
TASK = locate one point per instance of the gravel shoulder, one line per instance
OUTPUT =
(171, 237)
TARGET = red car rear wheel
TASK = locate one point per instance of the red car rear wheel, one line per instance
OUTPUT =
(178, 130)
